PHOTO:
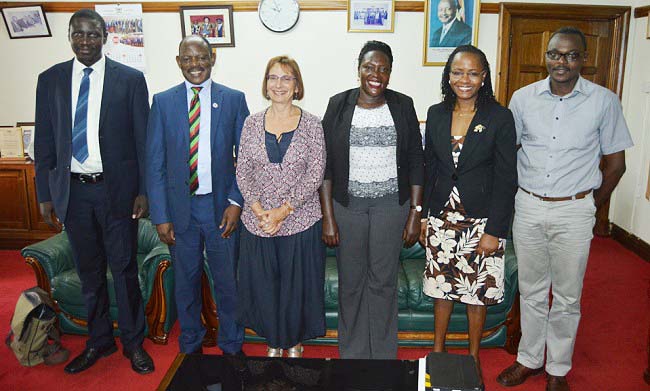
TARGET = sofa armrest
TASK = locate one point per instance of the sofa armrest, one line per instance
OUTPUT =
(149, 266)
(53, 254)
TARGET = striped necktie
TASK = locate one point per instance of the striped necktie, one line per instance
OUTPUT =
(79, 139)
(195, 118)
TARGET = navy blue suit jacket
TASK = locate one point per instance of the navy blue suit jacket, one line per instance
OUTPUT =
(122, 133)
(168, 153)
(459, 34)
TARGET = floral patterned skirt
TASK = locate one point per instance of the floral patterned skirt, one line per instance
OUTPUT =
(454, 271)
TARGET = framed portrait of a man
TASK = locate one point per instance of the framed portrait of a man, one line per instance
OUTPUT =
(448, 24)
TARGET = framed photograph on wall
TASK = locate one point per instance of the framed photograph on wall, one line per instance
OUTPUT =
(371, 16)
(448, 24)
(214, 23)
(26, 21)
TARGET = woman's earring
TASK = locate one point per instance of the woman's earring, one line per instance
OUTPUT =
(295, 95)
(482, 83)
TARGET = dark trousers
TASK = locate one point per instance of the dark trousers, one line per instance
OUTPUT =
(367, 258)
(97, 238)
(203, 234)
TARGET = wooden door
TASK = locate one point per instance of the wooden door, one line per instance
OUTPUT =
(524, 32)
(530, 38)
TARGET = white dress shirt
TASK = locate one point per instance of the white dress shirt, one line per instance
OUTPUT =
(204, 168)
(94, 162)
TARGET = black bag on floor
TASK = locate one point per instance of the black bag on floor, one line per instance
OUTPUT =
(32, 327)
(451, 372)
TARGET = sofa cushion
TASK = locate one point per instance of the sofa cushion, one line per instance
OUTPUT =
(66, 288)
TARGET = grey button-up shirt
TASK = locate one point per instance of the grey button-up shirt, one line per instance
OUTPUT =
(563, 138)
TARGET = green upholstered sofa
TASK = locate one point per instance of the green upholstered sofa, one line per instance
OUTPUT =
(52, 262)
(415, 318)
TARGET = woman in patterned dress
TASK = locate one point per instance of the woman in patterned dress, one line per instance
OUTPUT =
(371, 199)
(471, 180)
(281, 274)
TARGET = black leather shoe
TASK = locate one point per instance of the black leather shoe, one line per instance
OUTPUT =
(88, 358)
(141, 361)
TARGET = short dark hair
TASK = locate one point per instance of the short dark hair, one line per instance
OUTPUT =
(485, 93)
(288, 64)
(207, 43)
(570, 30)
(378, 46)
(86, 13)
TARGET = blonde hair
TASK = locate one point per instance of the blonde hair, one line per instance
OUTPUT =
(289, 64)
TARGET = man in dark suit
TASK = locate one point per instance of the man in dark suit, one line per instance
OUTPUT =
(91, 118)
(193, 133)
(453, 31)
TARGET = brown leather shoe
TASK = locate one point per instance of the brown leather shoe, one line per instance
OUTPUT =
(516, 374)
(556, 383)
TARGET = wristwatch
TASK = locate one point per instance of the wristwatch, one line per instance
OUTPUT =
(418, 208)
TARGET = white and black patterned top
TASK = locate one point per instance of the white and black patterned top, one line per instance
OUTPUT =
(373, 153)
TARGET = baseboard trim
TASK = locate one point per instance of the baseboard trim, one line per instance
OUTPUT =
(631, 242)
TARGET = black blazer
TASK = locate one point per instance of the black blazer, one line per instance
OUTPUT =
(122, 134)
(336, 125)
(486, 176)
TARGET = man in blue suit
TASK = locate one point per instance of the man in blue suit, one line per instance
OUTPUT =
(192, 136)
(453, 32)
(91, 119)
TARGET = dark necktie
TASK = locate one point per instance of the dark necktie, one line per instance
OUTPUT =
(79, 131)
(195, 118)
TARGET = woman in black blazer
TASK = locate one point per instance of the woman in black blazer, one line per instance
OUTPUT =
(471, 180)
(374, 167)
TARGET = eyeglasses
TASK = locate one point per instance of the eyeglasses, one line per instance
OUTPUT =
(286, 79)
(570, 57)
(472, 75)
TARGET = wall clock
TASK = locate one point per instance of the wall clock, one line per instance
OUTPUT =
(279, 15)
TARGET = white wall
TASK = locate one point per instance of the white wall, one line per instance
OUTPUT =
(324, 50)
(629, 208)
(327, 56)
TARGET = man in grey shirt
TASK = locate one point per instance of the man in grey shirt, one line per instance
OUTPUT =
(565, 125)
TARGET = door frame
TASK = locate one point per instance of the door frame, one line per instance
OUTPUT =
(619, 14)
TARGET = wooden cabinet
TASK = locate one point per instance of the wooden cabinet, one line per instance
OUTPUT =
(20, 220)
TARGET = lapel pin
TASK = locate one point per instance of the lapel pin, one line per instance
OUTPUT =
(215, 105)
(479, 128)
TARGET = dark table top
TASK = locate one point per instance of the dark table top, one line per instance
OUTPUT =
(225, 373)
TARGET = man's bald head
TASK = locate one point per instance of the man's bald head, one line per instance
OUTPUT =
(194, 38)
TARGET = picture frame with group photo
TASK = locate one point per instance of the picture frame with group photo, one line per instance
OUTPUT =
(26, 21)
(371, 16)
(214, 23)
